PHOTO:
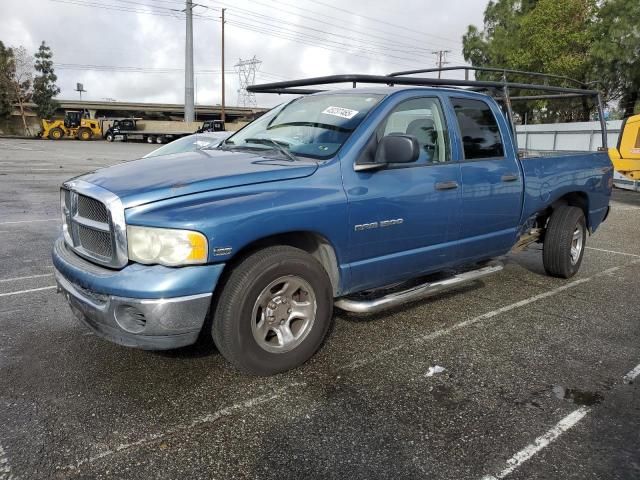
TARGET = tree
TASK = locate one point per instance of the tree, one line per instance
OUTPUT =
(495, 44)
(22, 78)
(44, 85)
(7, 63)
(548, 36)
(616, 52)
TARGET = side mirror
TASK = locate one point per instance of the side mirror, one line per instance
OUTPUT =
(396, 148)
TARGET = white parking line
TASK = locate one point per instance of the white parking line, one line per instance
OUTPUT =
(20, 292)
(625, 209)
(513, 463)
(631, 376)
(5, 468)
(15, 279)
(545, 440)
(31, 221)
(485, 316)
(539, 443)
(613, 251)
(209, 418)
(457, 326)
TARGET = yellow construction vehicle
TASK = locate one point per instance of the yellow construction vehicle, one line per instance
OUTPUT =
(626, 155)
(76, 124)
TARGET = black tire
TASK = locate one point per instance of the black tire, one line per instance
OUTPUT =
(160, 139)
(109, 137)
(557, 255)
(84, 134)
(151, 139)
(232, 328)
(56, 133)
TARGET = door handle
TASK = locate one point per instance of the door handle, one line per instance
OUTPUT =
(509, 177)
(446, 185)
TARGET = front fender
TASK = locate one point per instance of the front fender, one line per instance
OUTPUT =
(236, 217)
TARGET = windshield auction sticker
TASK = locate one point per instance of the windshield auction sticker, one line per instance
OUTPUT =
(340, 112)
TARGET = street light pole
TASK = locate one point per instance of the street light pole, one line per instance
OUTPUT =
(188, 65)
(222, 56)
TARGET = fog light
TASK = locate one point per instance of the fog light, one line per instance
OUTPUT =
(130, 319)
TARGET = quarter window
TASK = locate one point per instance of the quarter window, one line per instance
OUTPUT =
(422, 118)
(479, 129)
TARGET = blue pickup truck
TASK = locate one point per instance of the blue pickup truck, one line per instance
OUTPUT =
(362, 198)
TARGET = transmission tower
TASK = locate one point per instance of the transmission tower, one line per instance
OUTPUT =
(247, 76)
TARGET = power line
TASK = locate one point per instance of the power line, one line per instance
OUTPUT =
(375, 46)
(414, 45)
(130, 69)
(259, 26)
(278, 22)
(384, 22)
(280, 31)
(299, 38)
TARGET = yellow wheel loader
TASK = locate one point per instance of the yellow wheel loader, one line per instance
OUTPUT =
(74, 125)
(626, 155)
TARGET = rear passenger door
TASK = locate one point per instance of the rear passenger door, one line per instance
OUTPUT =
(492, 183)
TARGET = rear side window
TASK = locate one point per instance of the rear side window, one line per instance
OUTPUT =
(479, 129)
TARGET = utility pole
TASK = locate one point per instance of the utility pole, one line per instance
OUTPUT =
(188, 65)
(222, 102)
(441, 56)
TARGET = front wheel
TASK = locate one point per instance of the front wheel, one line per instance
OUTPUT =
(56, 133)
(274, 311)
(564, 242)
(84, 134)
(110, 137)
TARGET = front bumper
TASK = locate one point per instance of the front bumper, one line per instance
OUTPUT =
(138, 316)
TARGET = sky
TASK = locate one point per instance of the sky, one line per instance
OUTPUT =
(133, 50)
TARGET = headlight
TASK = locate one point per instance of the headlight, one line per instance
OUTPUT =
(166, 246)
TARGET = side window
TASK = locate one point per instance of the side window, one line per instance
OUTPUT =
(479, 129)
(422, 118)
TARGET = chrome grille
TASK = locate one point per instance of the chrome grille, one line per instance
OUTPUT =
(94, 223)
(92, 209)
(96, 242)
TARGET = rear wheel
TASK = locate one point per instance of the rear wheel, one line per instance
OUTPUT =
(160, 139)
(274, 311)
(151, 139)
(56, 133)
(564, 242)
(84, 134)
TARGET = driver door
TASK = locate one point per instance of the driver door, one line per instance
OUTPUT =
(403, 217)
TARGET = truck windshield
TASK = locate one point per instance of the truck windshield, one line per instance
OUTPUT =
(313, 126)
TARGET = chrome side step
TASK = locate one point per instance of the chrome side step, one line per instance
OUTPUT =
(414, 293)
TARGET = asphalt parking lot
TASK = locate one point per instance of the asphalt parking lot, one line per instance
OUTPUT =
(537, 380)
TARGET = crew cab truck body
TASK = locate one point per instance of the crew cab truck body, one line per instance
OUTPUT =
(326, 197)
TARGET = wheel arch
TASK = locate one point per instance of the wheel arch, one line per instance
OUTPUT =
(573, 199)
(313, 243)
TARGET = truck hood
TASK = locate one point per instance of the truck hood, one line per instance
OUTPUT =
(158, 178)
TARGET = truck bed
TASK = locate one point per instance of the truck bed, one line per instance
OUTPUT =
(550, 175)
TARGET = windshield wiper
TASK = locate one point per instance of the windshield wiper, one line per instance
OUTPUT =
(277, 145)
